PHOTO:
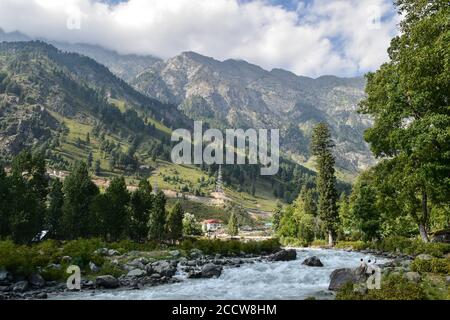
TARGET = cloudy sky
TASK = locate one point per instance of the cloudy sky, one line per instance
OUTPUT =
(307, 37)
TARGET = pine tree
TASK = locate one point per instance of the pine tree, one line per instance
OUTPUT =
(116, 217)
(55, 209)
(97, 168)
(88, 139)
(307, 196)
(141, 203)
(233, 226)
(174, 225)
(157, 221)
(90, 158)
(79, 191)
(321, 146)
(28, 195)
(276, 217)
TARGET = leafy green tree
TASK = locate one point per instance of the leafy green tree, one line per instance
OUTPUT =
(115, 217)
(321, 146)
(408, 99)
(157, 219)
(79, 192)
(346, 225)
(191, 227)
(363, 208)
(174, 225)
(233, 225)
(55, 209)
(141, 203)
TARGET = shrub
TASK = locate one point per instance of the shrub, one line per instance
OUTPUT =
(230, 247)
(394, 287)
(433, 265)
(356, 245)
(82, 251)
(411, 246)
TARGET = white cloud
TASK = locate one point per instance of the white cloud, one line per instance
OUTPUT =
(321, 37)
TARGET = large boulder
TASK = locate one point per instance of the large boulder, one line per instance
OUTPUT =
(284, 255)
(424, 256)
(210, 270)
(340, 277)
(164, 268)
(441, 236)
(413, 276)
(20, 286)
(136, 273)
(313, 262)
(107, 281)
(36, 280)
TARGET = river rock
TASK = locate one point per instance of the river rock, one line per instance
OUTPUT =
(424, 256)
(93, 267)
(20, 286)
(413, 276)
(164, 268)
(195, 253)
(136, 273)
(112, 252)
(284, 255)
(175, 253)
(5, 277)
(211, 270)
(340, 277)
(313, 262)
(36, 280)
(66, 259)
(41, 296)
(106, 281)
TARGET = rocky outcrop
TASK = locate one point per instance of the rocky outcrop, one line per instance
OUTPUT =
(313, 262)
(283, 255)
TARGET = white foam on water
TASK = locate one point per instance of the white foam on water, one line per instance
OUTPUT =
(258, 281)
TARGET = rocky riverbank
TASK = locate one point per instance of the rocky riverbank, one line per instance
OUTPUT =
(139, 271)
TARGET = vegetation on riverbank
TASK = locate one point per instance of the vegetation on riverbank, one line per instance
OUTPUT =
(51, 257)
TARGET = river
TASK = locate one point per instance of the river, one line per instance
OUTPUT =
(262, 280)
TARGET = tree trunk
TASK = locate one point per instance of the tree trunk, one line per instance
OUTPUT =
(423, 233)
(422, 224)
(330, 238)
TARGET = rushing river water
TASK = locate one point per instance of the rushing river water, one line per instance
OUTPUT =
(262, 280)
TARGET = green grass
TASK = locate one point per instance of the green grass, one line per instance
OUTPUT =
(200, 210)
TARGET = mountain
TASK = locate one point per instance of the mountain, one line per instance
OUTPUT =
(235, 93)
(49, 96)
(124, 66)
